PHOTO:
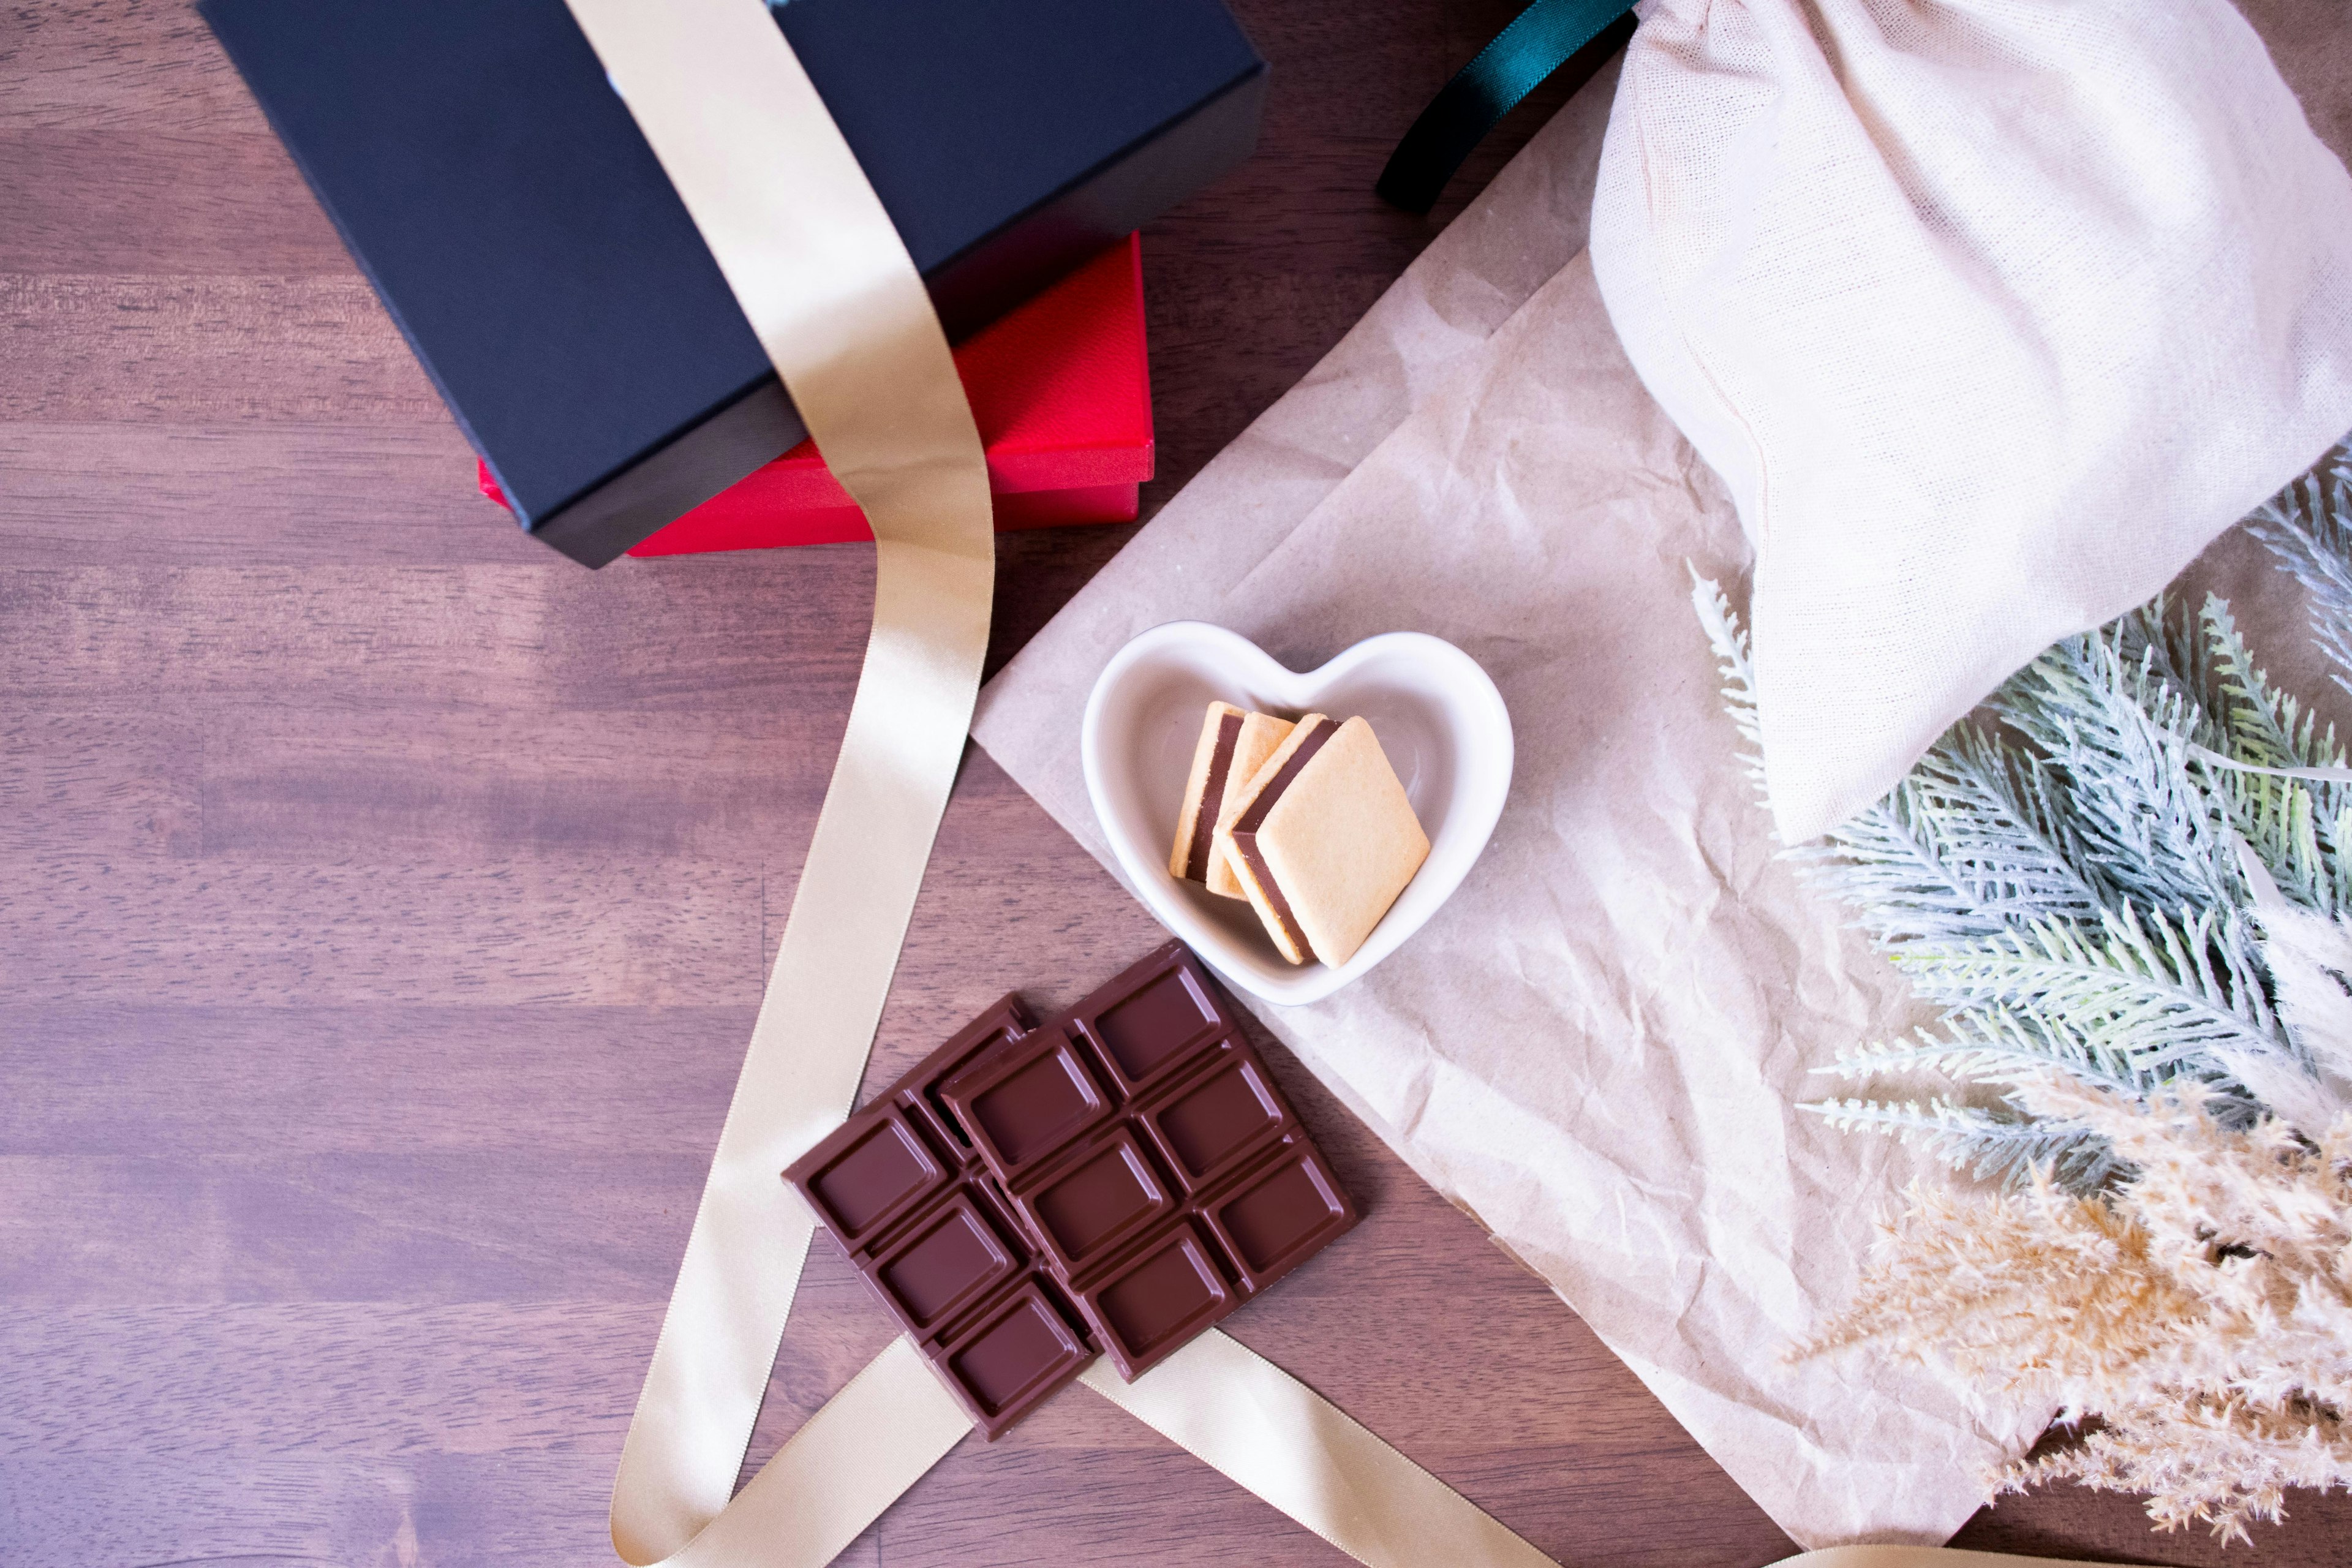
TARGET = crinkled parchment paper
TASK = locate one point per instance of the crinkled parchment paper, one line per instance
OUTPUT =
(1599, 1044)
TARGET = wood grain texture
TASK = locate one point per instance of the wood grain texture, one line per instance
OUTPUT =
(384, 903)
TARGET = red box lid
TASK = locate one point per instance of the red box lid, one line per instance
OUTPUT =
(1060, 389)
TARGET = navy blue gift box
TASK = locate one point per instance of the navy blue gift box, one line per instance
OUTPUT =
(520, 231)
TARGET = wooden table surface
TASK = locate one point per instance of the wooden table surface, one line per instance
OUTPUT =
(384, 903)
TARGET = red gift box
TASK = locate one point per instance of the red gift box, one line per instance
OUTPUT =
(1063, 397)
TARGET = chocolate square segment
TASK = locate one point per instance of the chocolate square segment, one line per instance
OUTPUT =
(1280, 1216)
(1013, 1356)
(1159, 1299)
(1106, 1195)
(1212, 1120)
(1153, 1027)
(877, 1177)
(950, 1259)
(1116, 1179)
(1007, 1021)
(1022, 1103)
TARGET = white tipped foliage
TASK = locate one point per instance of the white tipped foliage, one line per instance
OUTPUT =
(2308, 526)
(2110, 873)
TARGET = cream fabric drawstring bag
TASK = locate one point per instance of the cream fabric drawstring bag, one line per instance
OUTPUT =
(1991, 314)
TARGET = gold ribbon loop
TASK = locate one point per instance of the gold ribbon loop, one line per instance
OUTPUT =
(827, 286)
(850, 1461)
(1272, 1433)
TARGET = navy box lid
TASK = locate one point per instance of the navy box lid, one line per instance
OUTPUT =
(522, 235)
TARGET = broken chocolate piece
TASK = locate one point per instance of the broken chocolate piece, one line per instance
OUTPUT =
(1116, 1179)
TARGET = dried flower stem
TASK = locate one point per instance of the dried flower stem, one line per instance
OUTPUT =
(2202, 1310)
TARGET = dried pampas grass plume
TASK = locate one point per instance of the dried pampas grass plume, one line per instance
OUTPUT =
(2195, 1321)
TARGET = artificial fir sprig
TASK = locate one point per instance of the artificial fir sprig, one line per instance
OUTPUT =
(2308, 526)
(2074, 876)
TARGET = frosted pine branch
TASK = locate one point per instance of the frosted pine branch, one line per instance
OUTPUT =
(1992, 1145)
(2073, 873)
(2308, 527)
(1736, 670)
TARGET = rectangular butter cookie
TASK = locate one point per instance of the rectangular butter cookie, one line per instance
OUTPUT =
(1324, 840)
(1232, 745)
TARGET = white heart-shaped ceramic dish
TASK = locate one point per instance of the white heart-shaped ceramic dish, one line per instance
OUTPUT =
(1438, 717)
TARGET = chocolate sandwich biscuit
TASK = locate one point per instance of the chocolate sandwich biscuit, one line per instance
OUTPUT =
(1233, 743)
(1324, 840)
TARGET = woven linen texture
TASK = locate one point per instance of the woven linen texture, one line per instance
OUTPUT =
(1991, 314)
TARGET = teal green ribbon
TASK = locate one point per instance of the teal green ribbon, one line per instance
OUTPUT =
(1545, 36)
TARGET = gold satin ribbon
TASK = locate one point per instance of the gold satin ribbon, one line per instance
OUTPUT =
(827, 286)
(1920, 1557)
(1274, 1436)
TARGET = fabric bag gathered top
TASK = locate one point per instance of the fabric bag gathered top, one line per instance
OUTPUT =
(1991, 314)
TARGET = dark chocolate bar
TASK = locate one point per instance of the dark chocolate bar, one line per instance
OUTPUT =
(1116, 1179)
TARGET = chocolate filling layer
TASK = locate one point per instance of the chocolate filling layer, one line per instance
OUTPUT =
(1212, 798)
(1245, 828)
